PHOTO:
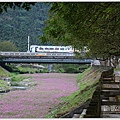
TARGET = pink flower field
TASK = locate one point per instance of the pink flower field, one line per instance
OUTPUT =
(37, 101)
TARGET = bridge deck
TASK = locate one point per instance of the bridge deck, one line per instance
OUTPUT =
(63, 61)
(50, 57)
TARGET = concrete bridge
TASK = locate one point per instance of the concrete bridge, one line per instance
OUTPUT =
(47, 61)
(37, 55)
(28, 57)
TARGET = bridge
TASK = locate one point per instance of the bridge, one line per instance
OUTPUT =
(27, 57)
(45, 61)
(37, 55)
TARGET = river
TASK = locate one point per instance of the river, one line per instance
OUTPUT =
(39, 100)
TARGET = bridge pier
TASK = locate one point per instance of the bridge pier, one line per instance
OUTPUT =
(50, 67)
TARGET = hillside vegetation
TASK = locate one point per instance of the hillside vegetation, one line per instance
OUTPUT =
(87, 82)
(16, 25)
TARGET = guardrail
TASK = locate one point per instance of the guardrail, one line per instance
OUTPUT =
(13, 54)
(37, 55)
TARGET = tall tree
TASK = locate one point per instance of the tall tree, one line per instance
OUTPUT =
(7, 46)
(5, 5)
(95, 25)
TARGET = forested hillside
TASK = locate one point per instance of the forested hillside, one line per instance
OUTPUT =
(16, 25)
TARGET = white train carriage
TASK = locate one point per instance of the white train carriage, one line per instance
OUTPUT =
(57, 49)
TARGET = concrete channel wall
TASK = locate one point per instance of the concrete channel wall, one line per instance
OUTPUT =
(92, 108)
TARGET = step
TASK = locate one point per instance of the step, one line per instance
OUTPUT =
(105, 82)
(83, 113)
(76, 116)
(110, 89)
(110, 115)
(91, 116)
(110, 112)
(110, 93)
(110, 103)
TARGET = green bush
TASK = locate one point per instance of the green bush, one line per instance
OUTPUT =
(17, 78)
(70, 69)
(61, 70)
(3, 85)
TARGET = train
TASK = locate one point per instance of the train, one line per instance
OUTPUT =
(51, 49)
(39, 51)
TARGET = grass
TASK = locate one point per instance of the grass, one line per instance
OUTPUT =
(14, 77)
(27, 70)
(87, 84)
(17, 78)
(117, 69)
(3, 72)
(3, 85)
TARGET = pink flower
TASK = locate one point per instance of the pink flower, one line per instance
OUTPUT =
(38, 100)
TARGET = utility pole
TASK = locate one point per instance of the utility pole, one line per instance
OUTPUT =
(28, 45)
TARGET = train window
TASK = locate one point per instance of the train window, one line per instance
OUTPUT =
(61, 48)
(65, 48)
(40, 48)
(56, 48)
(36, 49)
(46, 48)
(51, 48)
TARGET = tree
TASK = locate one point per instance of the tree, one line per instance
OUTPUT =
(7, 46)
(95, 25)
(25, 5)
(16, 25)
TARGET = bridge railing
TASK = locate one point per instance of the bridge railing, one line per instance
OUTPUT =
(35, 54)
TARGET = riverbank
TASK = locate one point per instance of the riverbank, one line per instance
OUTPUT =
(54, 96)
(87, 83)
